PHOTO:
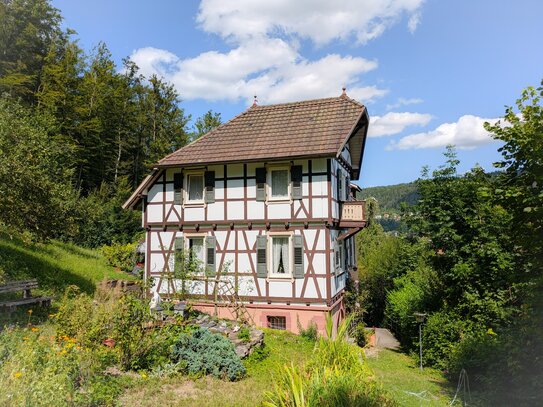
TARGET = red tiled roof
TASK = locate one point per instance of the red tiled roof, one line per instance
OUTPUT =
(301, 129)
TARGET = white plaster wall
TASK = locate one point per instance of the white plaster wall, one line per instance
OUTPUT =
(279, 210)
(280, 288)
(235, 210)
(195, 214)
(154, 213)
(234, 189)
(155, 194)
(215, 211)
(255, 210)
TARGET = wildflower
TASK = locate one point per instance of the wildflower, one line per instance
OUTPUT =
(26, 338)
(29, 311)
(34, 329)
(78, 347)
(18, 374)
(143, 376)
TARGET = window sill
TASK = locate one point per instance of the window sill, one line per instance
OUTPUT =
(276, 277)
(198, 204)
(278, 201)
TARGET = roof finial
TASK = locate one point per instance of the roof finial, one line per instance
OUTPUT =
(344, 93)
(255, 101)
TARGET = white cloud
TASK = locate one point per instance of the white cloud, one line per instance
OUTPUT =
(265, 58)
(268, 67)
(394, 123)
(404, 102)
(321, 21)
(467, 133)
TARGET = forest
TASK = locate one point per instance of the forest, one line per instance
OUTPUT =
(469, 258)
(78, 133)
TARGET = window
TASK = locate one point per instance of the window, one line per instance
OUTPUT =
(277, 322)
(195, 187)
(339, 256)
(280, 256)
(196, 249)
(279, 183)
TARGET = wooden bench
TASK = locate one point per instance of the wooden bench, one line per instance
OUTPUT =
(25, 286)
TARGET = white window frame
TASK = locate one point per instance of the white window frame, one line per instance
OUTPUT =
(269, 194)
(290, 272)
(339, 254)
(202, 236)
(188, 201)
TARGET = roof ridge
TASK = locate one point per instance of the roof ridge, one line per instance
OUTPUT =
(329, 99)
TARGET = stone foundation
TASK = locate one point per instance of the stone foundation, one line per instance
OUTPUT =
(305, 315)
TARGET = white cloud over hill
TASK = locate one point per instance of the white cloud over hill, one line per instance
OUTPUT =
(466, 133)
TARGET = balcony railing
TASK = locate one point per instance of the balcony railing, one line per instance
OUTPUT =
(353, 214)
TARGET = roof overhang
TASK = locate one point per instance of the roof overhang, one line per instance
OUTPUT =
(140, 190)
(357, 143)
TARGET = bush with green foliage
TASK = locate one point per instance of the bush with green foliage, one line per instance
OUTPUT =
(244, 334)
(121, 255)
(118, 317)
(311, 333)
(204, 353)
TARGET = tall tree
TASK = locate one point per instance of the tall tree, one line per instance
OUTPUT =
(28, 27)
(204, 124)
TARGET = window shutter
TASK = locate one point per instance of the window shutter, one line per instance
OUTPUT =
(178, 188)
(209, 178)
(296, 178)
(179, 247)
(261, 256)
(339, 196)
(298, 243)
(347, 188)
(261, 184)
(211, 243)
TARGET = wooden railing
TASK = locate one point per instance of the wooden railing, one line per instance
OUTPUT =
(353, 214)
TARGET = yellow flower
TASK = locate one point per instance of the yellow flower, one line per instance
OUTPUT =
(26, 338)
(34, 329)
(78, 347)
(144, 376)
(18, 374)
(29, 311)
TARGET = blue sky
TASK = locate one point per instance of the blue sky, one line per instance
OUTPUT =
(430, 72)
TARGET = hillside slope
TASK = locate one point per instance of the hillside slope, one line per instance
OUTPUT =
(390, 197)
(55, 265)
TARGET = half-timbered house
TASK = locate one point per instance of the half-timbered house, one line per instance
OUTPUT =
(264, 201)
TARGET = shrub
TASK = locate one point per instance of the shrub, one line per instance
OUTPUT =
(120, 255)
(311, 333)
(207, 353)
(121, 318)
(244, 334)
(360, 334)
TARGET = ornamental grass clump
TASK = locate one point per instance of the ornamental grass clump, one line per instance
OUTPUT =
(336, 375)
(203, 353)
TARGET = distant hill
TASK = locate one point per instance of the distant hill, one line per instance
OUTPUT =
(390, 197)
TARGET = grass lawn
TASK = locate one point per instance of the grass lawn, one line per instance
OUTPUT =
(55, 265)
(407, 384)
(283, 347)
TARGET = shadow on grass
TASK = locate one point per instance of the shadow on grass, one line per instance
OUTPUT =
(24, 263)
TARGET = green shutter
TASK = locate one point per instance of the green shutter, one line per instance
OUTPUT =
(261, 256)
(261, 184)
(296, 178)
(209, 178)
(211, 268)
(298, 243)
(178, 188)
